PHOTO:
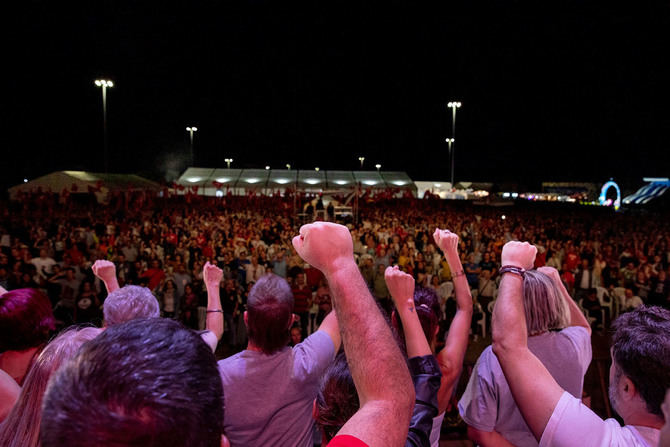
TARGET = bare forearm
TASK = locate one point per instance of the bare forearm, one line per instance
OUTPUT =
(509, 330)
(577, 318)
(415, 339)
(111, 284)
(461, 287)
(214, 320)
(488, 438)
(376, 364)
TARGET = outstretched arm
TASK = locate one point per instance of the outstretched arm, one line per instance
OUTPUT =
(577, 318)
(379, 371)
(106, 271)
(401, 287)
(488, 438)
(535, 391)
(451, 356)
(212, 276)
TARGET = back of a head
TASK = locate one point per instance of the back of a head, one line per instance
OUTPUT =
(269, 312)
(147, 382)
(22, 426)
(26, 319)
(427, 305)
(641, 350)
(129, 303)
(337, 399)
(543, 303)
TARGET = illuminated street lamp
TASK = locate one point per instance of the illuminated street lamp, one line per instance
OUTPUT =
(361, 159)
(450, 141)
(267, 168)
(316, 169)
(190, 130)
(228, 162)
(453, 105)
(104, 84)
(378, 166)
(288, 166)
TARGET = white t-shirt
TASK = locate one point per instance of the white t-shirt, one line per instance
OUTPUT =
(574, 424)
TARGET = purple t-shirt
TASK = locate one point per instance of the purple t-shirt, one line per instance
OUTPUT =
(487, 403)
(268, 398)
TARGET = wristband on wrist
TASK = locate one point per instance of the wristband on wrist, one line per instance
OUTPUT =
(214, 310)
(457, 274)
(512, 269)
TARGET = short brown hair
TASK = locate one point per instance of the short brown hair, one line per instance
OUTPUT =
(269, 309)
(641, 350)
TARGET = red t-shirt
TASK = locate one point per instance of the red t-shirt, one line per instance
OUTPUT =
(346, 441)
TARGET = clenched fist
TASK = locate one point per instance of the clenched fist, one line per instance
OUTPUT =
(446, 240)
(400, 285)
(519, 254)
(212, 275)
(105, 270)
(324, 245)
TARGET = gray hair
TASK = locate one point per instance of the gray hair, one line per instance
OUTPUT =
(543, 303)
(129, 303)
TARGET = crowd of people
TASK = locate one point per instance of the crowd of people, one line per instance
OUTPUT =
(396, 298)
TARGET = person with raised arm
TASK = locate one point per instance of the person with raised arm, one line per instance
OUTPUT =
(270, 387)
(559, 337)
(639, 375)
(337, 401)
(131, 302)
(450, 358)
(382, 380)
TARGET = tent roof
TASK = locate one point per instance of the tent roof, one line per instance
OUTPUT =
(59, 180)
(306, 179)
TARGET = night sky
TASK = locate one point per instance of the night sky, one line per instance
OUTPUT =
(563, 93)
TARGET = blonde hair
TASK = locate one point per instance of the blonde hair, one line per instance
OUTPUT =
(22, 426)
(544, 305)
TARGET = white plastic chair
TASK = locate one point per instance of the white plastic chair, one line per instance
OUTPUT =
(448, 289)
(482, 321)
(620, 297)
(601, 293)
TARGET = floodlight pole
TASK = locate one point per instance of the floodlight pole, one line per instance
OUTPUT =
(453, 105)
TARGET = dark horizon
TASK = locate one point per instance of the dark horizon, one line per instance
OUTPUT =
(576, 93)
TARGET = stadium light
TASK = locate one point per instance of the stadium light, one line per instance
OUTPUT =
(378, 166)
(104, 84)
(190, 130)
(316, 169)
(288, 166)
(228, 162)
(361, 159)
(453, 105)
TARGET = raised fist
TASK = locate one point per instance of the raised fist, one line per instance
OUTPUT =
(105, 270)
(446, 240)
(519, 254)
(324, 245)
(400, 285)
(212, 275)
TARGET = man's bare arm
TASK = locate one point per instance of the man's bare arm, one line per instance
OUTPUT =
(577, 318)
(535, 391)
(451, 356)
(106, 271)
(382, 380)
(488, 438)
